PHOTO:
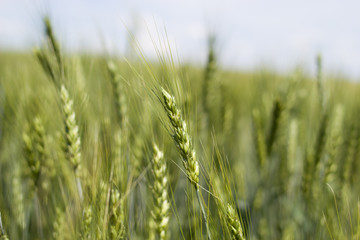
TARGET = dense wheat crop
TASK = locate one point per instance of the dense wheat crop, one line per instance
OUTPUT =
(102, 148)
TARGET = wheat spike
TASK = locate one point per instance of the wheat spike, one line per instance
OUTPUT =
(185, 147)
(234, 224)
(73, 144)
(161, 208)
(182, 138)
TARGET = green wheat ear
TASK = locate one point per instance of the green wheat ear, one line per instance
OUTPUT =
(32, 162)
(45, 64)
(277, 111)
(18, 197)
(319, 80)
(72, 137)
(117, 220)
(119, 94)
(234, 224)
(182, 138)
(162, 206)
(53, 43)
(259, 140)
(40, 166)
(185, 147)
(34, 149)
(210, 71)
(87, 220)
(71, 131)
(59, 224)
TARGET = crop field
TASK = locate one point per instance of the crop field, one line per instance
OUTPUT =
(98, 147)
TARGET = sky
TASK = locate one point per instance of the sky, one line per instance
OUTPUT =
(279, 34)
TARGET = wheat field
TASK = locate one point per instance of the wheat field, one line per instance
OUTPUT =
(98, 147)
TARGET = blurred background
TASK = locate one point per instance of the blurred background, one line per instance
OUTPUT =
(279, 34)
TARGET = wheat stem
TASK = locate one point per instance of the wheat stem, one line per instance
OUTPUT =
(203, 213)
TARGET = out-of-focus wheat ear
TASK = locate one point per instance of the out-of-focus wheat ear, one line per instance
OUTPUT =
(60, 230)
(3, 236)
(39, 135)
(209, 73)
(319, 81)
(86, 223)
(234, 224)
(120, 163)
(34, 149)
(314, 156)
(259, 139)
(72, 137)
(348, 168)
(290, 231)
(321, 138)
(45, 64)
(138, 155)
(274, 127)
(291, 152)
(53, 43)
(33, 162)
(185, 148)
(161, 209)
(307, 175)
(335, 143)
(119, 94)
(102, 204)
(117, 220)
(39, 144)
(18, 197)
(292, 143)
